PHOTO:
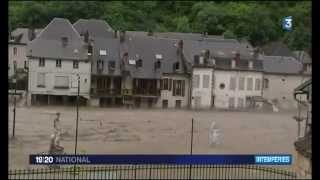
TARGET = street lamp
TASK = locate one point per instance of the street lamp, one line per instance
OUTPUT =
(77, 120)
(14, 97)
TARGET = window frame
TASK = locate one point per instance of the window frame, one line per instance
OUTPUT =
(75, 64)
(249, 86)
(42, 62)
(15, 51)
(205, 85)
(58, 63)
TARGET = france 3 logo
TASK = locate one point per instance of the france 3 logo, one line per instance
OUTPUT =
(287, 23)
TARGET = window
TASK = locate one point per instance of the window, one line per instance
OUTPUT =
(58, 63)
(165, 84)
(90, 50)
(42, 62)
(25, 64)
(100, 64)
(15, 51)
(75, 64)
(231, 102)
(265, 83)
(178, 87)
(170, 84)
(64, 41)
(232, 83)
(176, 66)
(41, 80)
(257, 85)
(283, 80)
(205, 81)
(222, 86)
(249, 84)
(139, 63)
(240, 102)
(241, 83)
(103, 52)
(61, 82)
(196, 81)
(112, 65)
(157, 65)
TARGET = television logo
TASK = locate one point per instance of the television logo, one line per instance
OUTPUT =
(287, 23)
(273, 159)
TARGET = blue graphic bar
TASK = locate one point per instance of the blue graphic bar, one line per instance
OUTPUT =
(269, 159)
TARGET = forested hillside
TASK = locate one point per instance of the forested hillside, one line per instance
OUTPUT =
(259, 22)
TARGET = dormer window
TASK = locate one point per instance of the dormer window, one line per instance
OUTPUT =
(196, 60)
(64, 41)
(100, 64)
(112, 65)
(176, 66)
(157, 65)
(132, 62)
(103, 52)
(90, 49)
(159, 56)
(139, 63)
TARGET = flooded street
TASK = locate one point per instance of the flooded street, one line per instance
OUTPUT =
(138, 131)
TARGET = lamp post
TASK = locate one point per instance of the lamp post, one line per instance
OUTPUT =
(14, 98)
(77, 120)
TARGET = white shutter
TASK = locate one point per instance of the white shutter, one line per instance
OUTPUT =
(41, 79)
(61, 81)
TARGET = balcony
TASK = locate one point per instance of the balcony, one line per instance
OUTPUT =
(146, 92)
(105, 92)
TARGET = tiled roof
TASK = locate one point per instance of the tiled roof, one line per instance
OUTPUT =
(146, 49)
(48, 43)
(280, 64)
(97, 28)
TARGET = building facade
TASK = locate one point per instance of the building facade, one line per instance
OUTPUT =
(57, 58)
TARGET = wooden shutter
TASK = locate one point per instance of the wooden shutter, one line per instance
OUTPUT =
(183, 88)
(174, 88)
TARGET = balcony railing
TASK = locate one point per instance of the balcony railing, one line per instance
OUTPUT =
(106, 91)
(146, 92)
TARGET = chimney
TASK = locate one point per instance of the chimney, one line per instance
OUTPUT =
(64, 41)
(86, 37)
(196, 60)
(31, 34)
(115, 34)
(250, 64)
(122, 36)
(237, 57)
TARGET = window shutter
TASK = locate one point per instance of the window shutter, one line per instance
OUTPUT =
(170, 84)
(183, 88)
(161, 84)
(174, 88)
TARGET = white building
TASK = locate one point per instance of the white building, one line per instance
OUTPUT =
(56, 58)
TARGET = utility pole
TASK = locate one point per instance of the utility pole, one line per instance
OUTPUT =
(14, 98)
(191, 147)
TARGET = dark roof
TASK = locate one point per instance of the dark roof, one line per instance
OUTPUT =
(97, 28)
(177, 35)
(146, 49)
(242, 64)
(280, 64)
(277, 49)
(48, 43)
(217, 49)
(112, 47)
(103, 39)
(302, 56)
(21, 35)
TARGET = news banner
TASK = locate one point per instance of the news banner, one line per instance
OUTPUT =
(261, 159)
